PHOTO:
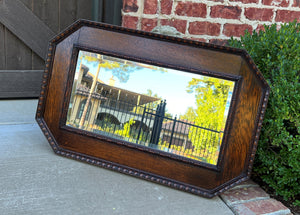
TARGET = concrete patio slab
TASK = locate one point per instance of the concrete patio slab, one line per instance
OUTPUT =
(17, 111)
(36, 181)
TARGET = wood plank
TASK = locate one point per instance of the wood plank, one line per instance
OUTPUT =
(48, 12)
(20, 83)
(84, 9)
(2, 47)
(67, 13)
(37, 62)
(27, 3)
(18, 55)
(28, 27)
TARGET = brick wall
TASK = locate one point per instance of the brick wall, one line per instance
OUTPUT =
(212, 21)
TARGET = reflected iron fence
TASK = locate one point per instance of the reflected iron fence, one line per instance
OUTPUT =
(147, 125)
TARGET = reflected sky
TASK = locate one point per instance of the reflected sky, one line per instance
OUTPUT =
(170, 85)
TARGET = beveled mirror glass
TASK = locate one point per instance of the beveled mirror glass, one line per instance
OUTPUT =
(174, 111)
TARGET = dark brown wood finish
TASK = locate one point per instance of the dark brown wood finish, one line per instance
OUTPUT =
(242, 129)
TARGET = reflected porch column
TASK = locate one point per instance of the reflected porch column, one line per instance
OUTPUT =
(81, 123)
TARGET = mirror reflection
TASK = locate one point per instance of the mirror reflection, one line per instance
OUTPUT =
(169, 110)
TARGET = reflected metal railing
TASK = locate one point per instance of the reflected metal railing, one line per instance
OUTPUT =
(147, 125)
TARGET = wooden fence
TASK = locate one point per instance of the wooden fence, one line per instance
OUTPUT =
(26, 26)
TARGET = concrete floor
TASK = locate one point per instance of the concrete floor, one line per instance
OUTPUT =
(33, 180)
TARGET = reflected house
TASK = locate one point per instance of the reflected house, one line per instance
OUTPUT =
(108, 104)
(177, 132)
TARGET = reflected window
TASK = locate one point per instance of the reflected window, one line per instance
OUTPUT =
(107, 119)
(81, 109)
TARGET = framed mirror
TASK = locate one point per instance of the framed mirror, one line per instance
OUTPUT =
(117, 98)
(177, 112)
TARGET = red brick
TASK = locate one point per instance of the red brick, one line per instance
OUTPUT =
(236, 29)
(148, 24)
(246, 1)
(287, 16)
(166, 6)
(227, 12)
(191, 9)
(280, 3)
(248, 183)
(129, 22)
(130, 6)
(219, 42)
(180, 25)
(260, 27)
(284, 3)
(296, 3)
(265, 206)
(150, 7)
(235, 196)
(205, 28)
(259, 14)
(267, 2)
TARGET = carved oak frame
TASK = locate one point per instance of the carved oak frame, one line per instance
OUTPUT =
(242, 127)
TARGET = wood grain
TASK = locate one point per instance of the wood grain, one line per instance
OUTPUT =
(2, 47)
(29, 28)
(22, 83)
(37, 62)
(18, 55)
(26, 26)
(48, 12)
(67, 7)
(84, 10)
(27, 3)
(156, 51)
(243, 127)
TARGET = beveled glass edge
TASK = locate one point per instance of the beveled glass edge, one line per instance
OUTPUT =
(62, 122)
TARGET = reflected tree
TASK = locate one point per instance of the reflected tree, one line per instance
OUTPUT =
(98, 59)
(211, 97)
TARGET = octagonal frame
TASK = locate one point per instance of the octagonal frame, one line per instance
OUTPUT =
(242, 127)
